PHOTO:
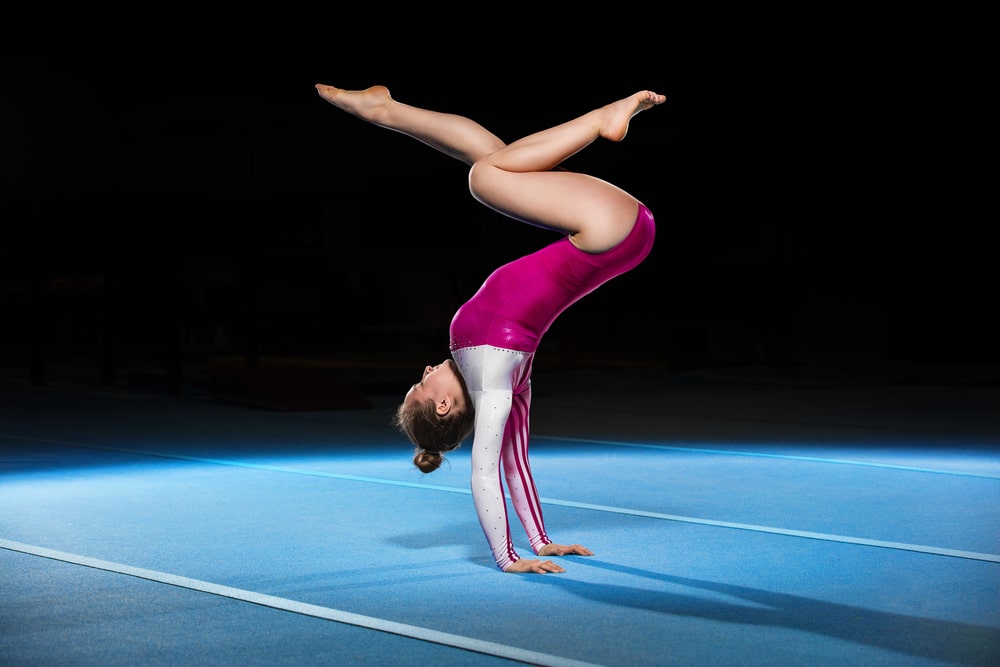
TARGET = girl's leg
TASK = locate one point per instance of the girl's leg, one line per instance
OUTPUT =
(519, 180)
(454, 135)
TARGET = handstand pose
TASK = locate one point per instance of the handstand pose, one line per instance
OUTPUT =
(485, 388)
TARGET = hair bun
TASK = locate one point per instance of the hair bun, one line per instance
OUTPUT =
(427, 461)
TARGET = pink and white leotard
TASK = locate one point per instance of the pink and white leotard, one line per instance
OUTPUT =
(494, 337)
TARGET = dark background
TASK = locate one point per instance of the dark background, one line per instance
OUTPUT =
(175, 193)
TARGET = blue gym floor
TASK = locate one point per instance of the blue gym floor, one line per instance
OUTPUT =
(741, 517)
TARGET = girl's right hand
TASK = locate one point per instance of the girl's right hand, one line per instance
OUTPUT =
(528, 565)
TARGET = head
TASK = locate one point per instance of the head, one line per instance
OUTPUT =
(436, 414)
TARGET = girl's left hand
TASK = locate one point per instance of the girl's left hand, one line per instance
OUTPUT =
(564, 550)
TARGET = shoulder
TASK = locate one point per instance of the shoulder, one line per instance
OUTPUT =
(491, 368)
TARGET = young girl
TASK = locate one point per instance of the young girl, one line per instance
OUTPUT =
(485, 387)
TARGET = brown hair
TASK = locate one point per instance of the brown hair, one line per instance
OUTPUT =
(434, 435)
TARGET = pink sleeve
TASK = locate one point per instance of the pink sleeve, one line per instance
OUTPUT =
(517, 470)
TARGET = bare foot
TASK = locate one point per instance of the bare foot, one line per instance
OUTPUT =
(364, 104)
(618, 114)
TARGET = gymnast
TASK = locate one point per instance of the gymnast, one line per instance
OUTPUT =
(484, 389)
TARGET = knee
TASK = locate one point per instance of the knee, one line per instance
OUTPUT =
(479, 171)
(479, 176)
